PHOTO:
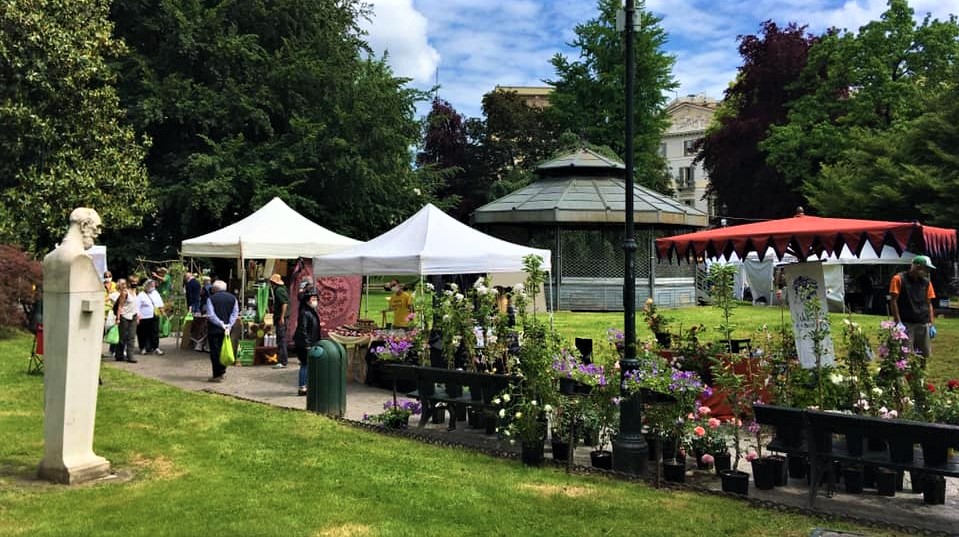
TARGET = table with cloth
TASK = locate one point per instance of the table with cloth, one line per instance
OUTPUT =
(357, 344)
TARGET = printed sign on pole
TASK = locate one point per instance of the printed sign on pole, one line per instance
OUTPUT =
(803, 282)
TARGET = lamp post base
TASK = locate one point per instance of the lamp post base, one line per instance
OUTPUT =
(630, 455)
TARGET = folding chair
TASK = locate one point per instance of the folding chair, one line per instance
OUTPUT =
(35, 365)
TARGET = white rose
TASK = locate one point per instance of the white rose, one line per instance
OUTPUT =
(877, 390)
(534, 403)
(454, 287)
(496, 401)
(548, 408)
(506, 397)
(836, 378)
(429, 287)
(502, 412)
(518, 415)
(459, 297)
(518, 288)
(482, 291)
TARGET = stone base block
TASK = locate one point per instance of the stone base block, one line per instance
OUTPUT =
(96, 468)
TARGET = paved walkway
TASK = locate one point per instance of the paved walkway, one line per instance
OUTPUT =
(189, 371)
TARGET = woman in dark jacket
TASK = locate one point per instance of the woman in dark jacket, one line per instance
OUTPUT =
(307, 334)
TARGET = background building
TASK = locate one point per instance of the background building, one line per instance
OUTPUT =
(689, 117)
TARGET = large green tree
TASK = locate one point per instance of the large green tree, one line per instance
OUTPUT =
(739, 176)
(246, 100)
(589, 96)
(63, 143)
(859, 90)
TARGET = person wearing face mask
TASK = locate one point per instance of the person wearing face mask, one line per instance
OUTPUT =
(910, 300)
(401, 304)
(307, 334)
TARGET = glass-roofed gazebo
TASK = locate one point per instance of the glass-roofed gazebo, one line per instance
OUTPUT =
(577, 209)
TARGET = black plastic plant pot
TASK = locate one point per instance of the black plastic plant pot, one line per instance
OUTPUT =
(490, 422)
(439, 415)
(797, 466)
(474, 418)
(934, 454)
(735, 482)
(852, 476)
(584, 389)
(560, 450)
(869, 476)
(780, 470)
(916, 481)
(886, 482)
(460, 412)
(454, 390)
(674, 471)
(763, 474)
(652, 455)
(934, 490)
(723, 462)
(567, 386)
(532, 454)
(602, 459)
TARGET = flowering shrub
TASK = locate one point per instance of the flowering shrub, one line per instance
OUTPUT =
(657, 375)
(901, 376)
(656, 321)
(709, 434)
(394, 348)
(521, 419)
(396, 415)
(567, 365)
(944, 403)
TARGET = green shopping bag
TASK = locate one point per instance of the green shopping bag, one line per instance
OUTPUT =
(164, 326)
(113, 335)
(227, 357)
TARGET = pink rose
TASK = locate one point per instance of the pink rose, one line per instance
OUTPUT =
(699, 431)
(704, 410)
(707, 458)
(752, 455)
(714, 423)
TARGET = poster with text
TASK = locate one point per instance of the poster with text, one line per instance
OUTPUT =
(804, 281)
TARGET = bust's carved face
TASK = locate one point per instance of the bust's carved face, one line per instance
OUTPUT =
(89, 230)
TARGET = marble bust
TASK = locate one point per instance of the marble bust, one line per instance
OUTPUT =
(73, 334)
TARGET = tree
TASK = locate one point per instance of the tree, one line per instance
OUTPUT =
(63, 143)
(859, 89)
(739, 175)
(589, 93)
(250, 100)
(19, 278)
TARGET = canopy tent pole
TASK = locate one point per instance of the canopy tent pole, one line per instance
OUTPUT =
(549, 300)
(366, 305)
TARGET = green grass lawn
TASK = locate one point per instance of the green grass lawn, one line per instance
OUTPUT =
(204, 464)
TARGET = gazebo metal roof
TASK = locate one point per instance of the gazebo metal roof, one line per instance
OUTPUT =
(584, 187)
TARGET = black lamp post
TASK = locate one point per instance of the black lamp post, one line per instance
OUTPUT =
(629, 447)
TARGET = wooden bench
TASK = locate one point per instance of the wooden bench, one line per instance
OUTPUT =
(483, 388)
(812, 433)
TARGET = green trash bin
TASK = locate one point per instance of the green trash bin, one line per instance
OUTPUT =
(326, 379)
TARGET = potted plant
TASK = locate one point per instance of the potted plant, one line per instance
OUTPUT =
(562, 427)
(708, 439)
(523, 412)
(600, 406)
(657, 322)
(396, 414)
(670, 420)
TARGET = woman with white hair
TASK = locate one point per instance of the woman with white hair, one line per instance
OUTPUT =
(222, 312)
(149, 304)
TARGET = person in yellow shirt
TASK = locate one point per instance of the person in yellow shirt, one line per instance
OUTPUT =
(401, 304)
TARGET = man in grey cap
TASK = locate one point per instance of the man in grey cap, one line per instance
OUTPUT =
(910, 299)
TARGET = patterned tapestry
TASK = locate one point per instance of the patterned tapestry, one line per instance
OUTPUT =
(339, 298)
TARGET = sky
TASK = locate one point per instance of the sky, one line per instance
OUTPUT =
(469, 47)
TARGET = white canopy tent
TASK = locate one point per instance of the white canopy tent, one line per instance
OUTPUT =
(275, 231)
(429, 242)
(758, 275)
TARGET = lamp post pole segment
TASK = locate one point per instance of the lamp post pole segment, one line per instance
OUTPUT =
(629, 447)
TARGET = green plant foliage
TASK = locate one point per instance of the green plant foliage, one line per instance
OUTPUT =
(589, 96)
(64, 143)
(250, 100)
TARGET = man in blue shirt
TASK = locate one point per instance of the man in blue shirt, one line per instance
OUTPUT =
(222, 312)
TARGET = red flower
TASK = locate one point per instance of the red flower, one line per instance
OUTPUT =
(953, 384)
(931, 387)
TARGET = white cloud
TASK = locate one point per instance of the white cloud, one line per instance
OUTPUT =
(396, 26)
(478, 44)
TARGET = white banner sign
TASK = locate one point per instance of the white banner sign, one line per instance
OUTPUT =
(803, 281)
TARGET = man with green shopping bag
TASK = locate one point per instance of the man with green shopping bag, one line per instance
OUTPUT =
(223, 310)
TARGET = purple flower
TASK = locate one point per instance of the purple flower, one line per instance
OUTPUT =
(883, 351)
(901, 365)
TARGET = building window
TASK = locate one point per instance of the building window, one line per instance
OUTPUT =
(689, 147)
(662, 149)
(687, 178)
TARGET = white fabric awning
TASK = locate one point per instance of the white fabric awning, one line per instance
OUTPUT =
(275, 231)
(430, 242)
